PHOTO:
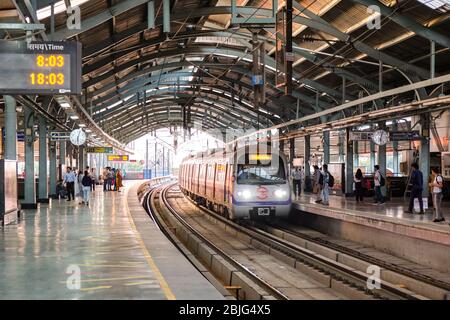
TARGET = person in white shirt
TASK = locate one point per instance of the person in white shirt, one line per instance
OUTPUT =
(436, 188)
(379, 199)
(297, 181)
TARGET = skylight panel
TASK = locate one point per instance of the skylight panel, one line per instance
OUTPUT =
(439, 5)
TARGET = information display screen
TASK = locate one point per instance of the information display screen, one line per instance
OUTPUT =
(116, 157)
(40, 67)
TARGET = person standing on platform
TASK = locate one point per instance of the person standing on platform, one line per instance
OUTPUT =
(437, 186)
(79, 186)
(92, 175)
(379, 182)
(417, 188)
(325, 185)
(358, 179)
(69, 181)
(317, 188)
(86, 183)
(119, 178)
(105, 178)
(297, 182)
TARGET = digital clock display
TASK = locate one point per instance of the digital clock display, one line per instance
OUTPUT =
(40, 67)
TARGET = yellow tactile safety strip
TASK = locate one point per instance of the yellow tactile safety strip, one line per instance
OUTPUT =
(162, 282)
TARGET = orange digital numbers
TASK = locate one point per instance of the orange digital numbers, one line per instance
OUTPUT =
(51, 79)
(50, 61)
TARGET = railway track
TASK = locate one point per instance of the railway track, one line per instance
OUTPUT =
(340, 275)
(282, 229)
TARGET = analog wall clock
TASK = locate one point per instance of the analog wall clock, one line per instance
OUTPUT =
(78, 137)
(380, 137)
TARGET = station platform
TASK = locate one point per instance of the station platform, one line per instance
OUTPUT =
(111, 249)
(385, 227)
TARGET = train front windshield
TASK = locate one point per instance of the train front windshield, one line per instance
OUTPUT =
(261, 172)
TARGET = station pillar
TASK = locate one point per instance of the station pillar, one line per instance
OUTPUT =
(382, 156)
(29, 201)
(43, 182)
(62, 159)
(53, 170)
(10, 128)
(291, 150)
(372, 156)
(81, 158)
(341, 139)
(326, 147)
(306, 157)
(348, 164)
(424, 151)
(8, 165)
(355, 154)
(395, 150)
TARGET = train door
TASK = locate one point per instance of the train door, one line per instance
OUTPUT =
(214, 177)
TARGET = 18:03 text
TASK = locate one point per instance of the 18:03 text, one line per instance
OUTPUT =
(47, 79)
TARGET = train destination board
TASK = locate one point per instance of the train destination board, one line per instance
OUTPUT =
(99, 150)
(118, 157)
(40, 67)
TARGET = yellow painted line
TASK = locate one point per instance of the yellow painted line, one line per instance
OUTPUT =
(110, 265)
(162, 282)
(110, 279)
(141, 282)
(96, 288)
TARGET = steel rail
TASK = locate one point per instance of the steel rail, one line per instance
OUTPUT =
(258, 280)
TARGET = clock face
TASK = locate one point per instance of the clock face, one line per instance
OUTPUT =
(78, 137)
(380, 137)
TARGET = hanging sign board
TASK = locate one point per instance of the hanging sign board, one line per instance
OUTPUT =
(99, 150)
(118, 157)
(289, 56)
(59, 136)
(360, 136)
(405, 135)
(40, 67)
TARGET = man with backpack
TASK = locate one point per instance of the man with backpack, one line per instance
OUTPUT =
(417, 187)
(327, 183)
(437, 190)
(379, 182)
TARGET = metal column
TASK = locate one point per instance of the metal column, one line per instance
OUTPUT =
(307, 156)
(291, 150)
(326, 147)
(355, 154)
(424, 155)
(29, 201)
(43, 176)
(382, 156)
(341, 143)
(52, 156)
(432, 59)
(395, 150)
(81, 158)
(288, 49)
(372, 156)
(348, 164)
(10, 128)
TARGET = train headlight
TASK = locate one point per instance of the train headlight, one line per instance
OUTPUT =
(246, 194)
(280, 193)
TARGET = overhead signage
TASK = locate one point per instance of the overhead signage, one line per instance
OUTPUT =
(405, 135)
(99, 150)
(360, 136)
(59, 136)
(41, 67)
(118, 157)
(20, 135)
(289, 56)
(257, 80)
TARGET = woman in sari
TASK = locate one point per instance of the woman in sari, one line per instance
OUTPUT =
(118, 180)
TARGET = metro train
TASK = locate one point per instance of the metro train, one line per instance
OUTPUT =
(247, 183)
